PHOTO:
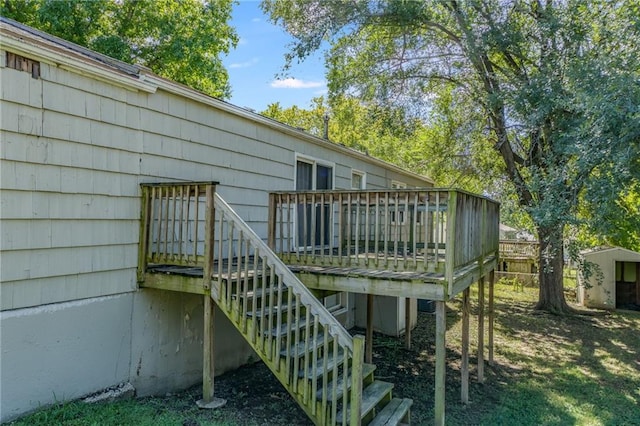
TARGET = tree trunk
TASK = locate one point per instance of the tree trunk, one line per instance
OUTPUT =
(551, 258)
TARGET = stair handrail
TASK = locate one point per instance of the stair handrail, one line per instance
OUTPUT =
(306, 297)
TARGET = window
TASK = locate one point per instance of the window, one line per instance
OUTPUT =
(398, 185)
(358, 180)
(311, 175)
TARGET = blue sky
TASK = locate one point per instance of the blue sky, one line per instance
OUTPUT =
(254, 66)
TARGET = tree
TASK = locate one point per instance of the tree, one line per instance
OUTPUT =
(556, 81)
(179, 40)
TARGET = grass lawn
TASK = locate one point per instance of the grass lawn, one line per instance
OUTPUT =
(547, 371)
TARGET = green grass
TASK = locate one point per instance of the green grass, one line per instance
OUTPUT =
(548, 371)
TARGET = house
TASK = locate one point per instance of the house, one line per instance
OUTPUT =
(612, 280)
(126, 198)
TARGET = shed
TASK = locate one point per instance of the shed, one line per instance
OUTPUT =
(615, 279)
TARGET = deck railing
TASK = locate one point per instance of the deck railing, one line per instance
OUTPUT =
(302, 343)
(172, 225)
(521, 249)
(426, 230)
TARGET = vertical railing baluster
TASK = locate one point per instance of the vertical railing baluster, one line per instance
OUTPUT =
(263, 302)
(314, 364)
(332, 231)
(396, 228)
(196, 209)
(296, 358)
(307, 347)
(278, 321)
(230, 232)
(312, 228)
(325, 371)
(254, 299)
(387, 219)
(271, 310)
(334, 381)
(367, 224)
(280, 223)
(322, 228)
(357, 229)
(340, 230)
(349, 228)
(173, 224)
(292, 320)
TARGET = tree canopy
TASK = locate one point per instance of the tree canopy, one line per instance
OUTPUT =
(179, 40)
(555, 83)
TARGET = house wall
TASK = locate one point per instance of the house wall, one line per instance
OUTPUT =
(74, 150)
(602, 294)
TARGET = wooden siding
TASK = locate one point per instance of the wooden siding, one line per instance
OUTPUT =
(74, 151)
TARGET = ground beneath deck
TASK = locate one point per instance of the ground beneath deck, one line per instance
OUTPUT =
(255, 397)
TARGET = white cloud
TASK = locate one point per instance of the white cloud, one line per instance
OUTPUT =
(246, 64)
(256, 20)
(294, 83)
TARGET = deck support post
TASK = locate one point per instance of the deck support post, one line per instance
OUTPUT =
(491, 314)
(208, 361)
(208, 400)
(369, 336)
(407, 323)
(441, 328)
(464, 368)
(481, 329)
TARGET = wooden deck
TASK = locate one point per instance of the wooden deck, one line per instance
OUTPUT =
(425, 243)
(383, 282)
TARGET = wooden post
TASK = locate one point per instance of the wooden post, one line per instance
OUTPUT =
(441, 328)
(144, 233)
(464, 369)
(369, 335)
(208, 370)
(481, 330)
(356, 381)
(208, 361)
(491, 314)
(407, 323)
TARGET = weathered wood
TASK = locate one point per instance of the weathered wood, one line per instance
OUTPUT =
(464, 368)
(440, 375)
(369, 337)
(451, 241)
(181, 283)
(492, 314)
(356, 380)
(144, 234)
(481, 330)
(378, 286)
(208, 358)
(407, 323)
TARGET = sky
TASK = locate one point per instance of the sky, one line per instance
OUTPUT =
(255, 65)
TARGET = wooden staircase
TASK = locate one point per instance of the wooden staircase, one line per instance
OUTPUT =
(318, 362)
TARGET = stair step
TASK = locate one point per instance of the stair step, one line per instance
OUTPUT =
(299, 349)
(258, 292)
(393, 413)
(367, 369)
(267, 312)
(331, 361)
(282, 331)
(371, 395)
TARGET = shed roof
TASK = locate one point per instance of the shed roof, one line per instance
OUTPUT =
(610, 249)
